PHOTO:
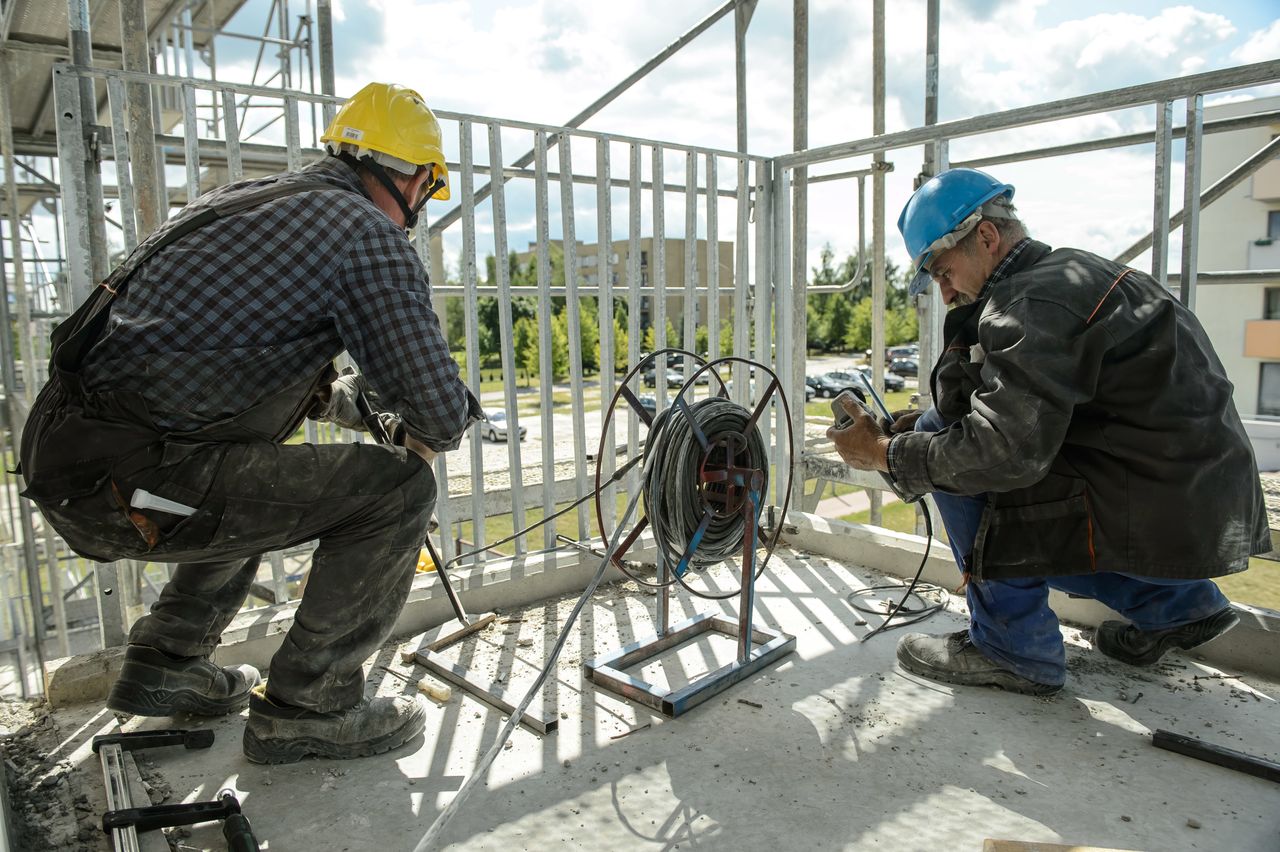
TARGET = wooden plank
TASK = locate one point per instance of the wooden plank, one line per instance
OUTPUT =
(444, 635)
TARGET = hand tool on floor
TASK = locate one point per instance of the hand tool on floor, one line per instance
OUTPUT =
(1211, 753)
(122, 821)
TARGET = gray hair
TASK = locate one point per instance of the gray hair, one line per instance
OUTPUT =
(404, 167)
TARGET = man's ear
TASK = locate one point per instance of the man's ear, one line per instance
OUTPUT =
(989, 234)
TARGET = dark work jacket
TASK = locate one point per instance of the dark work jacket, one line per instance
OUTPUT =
(1090, 407)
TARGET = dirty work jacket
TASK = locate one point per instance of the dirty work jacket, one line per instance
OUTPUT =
(1091, 408)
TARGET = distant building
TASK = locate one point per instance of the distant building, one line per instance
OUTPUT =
(672, 274)
(1241, 231)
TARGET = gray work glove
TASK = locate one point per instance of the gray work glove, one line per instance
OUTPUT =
(337, 401)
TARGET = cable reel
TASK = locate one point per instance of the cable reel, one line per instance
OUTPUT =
(705, 491)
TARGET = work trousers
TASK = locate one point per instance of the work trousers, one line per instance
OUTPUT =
(1010, 621)
(367, 505)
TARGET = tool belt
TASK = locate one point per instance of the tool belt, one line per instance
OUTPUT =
(77, 443)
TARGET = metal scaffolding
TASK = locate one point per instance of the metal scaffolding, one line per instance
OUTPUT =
(145, 116)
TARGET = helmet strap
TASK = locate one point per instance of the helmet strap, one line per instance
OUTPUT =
(375, 168)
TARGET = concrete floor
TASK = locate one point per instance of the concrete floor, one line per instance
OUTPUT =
(845, 751)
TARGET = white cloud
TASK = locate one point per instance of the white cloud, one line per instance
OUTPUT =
(544, 60)
(1262, 46)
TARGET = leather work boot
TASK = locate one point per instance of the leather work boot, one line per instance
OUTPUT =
(1128, 644)
(953, 658)
(153, 683)
(282, 733)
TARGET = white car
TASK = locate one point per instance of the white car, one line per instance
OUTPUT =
(494, 428)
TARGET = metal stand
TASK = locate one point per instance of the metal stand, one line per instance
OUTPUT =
(726, 488)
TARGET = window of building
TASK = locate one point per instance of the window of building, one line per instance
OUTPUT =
(1269, 390)
(1273, 225)
(1271, 310)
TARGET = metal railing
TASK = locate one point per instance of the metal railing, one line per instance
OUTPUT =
(616, 190)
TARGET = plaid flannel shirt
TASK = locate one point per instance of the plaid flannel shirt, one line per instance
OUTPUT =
(260, 300)
(998, 274)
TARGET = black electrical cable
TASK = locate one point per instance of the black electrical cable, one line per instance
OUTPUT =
(915, 588)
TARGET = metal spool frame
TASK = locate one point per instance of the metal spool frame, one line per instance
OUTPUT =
(725, 488)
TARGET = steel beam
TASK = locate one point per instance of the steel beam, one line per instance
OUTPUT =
(1114, 99)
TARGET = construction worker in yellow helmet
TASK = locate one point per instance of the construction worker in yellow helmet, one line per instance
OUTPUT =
(389, 127)
(162, 432)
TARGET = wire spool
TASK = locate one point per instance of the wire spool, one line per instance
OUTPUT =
(709, 471)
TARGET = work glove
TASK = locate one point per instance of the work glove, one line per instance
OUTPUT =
(336, 401)
(401, 437)
(904, 420)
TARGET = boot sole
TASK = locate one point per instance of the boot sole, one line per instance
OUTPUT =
(143, 701)
(274, 751)
(1009, 682)
(1166, 644)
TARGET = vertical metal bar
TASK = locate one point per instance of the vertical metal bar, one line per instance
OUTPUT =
(75, 189)
(1191, 199)
(741, 244)
(279, 580)
(741, 20)
(111, 620)
(1163, 178)
(633, 301)
(545, 362)
(21, 302)
(292, 140)
(426, 249)
(604, 269)
(324, 23)
(188, 38)
(466, 183)
(929, 303)
(798, 250)
(784, 330)
(569, 234)
(231, 129)
(690, 305)
(713, 262)
(311, 87)
(136, 54)
(763, 301)
(658, 276)
(191, 141)
(82, 55)
(120, 150)
(283, 24)
(503, 271)
(878, 282)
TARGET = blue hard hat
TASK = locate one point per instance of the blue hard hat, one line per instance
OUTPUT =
(940, 205)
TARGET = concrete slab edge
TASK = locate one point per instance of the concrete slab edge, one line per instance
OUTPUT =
(253, 636)
(1253, 646)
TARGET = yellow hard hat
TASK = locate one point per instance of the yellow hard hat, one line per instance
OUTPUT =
(394, 120)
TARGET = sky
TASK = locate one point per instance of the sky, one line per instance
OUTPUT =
(543, 60)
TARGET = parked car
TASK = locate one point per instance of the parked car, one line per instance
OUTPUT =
(910, 350)
(495, 427)
(675, 378)
(830, 384)
(649, 403)
(905, 366)
(892, 381)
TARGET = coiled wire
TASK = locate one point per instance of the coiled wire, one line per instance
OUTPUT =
(674, 500)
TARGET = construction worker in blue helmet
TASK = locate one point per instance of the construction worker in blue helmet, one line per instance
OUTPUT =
(164, 431)
(1082, 438)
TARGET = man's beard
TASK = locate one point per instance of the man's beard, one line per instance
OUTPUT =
(962, 299)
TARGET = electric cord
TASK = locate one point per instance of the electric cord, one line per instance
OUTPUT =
(913, 614)
(433, 833)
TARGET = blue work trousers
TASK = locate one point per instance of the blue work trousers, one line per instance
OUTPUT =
(1010, 620)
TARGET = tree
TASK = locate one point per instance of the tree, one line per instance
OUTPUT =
(701, 340)
(560, 345)
(588, 334)
(858, 335)
(837, 321)
(620, 345)
(726, 339)
(525, 342)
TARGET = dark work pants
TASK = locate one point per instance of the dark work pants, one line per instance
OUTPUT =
(368, 506)
(1010, 621)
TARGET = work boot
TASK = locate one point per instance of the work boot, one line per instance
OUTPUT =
(282, 733)
(153, 683)
(953, 658)
(1128, 644)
